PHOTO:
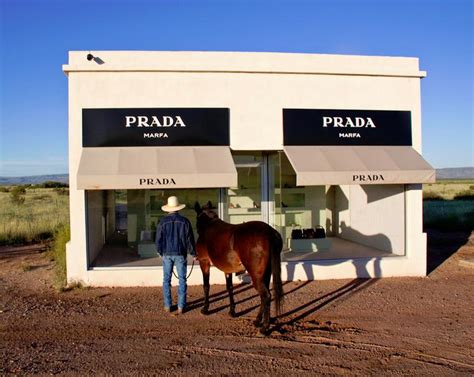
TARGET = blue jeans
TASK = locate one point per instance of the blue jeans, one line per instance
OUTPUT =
(181, 266)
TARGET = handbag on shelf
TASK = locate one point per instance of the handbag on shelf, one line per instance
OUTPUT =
(308, 233)
(320, 232)
(296, 234)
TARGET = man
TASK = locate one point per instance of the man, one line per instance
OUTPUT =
(174, 240)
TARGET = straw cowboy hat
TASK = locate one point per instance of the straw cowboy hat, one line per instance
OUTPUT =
(173, 205)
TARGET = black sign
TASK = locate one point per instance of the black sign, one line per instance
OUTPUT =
(346, 127)
(155, 127)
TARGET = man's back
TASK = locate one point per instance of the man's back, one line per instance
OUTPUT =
(174, 236)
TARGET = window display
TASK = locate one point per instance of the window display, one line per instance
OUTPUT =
(122, 223)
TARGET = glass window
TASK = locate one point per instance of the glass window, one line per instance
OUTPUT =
(122, 223)
(332, 222)
(297, 209)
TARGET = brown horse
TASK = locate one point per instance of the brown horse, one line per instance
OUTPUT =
(253, 246)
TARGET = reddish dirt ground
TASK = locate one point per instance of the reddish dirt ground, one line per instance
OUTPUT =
(396, 326)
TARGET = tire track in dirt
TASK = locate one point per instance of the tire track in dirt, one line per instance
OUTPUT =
(371, 347)
(303, 364)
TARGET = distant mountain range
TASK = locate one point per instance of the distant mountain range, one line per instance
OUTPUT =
(34, 179)
(441, 174)
(455, 173)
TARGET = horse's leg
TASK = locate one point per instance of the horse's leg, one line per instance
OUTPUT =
(230, 290)
(264, 311)
(258, 319)
(205, 268)
(266, 283)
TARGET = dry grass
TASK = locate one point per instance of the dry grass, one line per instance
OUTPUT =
(448, 190)
(58, 254)
(42, 212)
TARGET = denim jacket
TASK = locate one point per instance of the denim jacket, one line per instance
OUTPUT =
(174, 236)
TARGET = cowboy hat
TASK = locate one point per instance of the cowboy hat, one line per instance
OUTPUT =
(173, 205)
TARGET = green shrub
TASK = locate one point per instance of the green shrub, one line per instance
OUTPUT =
(429, 195)
(465, 195)
(17, 195)
(62, 190)
(4, 189)
(53, 184)
(58, 254)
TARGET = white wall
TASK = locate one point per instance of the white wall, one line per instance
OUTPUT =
(372, 215)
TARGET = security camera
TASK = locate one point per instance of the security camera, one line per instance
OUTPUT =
(90, 57)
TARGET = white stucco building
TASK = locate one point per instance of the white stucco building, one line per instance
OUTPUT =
(301, 141)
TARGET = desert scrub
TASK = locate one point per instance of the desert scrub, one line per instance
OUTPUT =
(35, 219)
(62, 236)
(449, 215)
(465, 195)
(447, 189)
(430, 195)
(17, 195)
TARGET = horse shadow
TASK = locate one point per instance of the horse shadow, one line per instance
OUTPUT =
(292, 315)
(297, 314)
(218, 296)
(223, 295)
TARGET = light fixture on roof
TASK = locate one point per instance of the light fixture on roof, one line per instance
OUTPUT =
(94, 58)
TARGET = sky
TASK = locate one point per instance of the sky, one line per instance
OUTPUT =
(36, 35)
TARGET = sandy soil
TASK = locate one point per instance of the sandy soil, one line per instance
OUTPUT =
(398, 326)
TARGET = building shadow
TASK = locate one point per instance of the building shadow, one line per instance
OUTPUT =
(442, 245)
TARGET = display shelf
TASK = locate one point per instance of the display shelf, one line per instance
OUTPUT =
(309, 244)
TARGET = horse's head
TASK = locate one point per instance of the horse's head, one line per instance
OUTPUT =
(205, 216)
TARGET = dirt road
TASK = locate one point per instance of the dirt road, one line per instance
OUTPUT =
(402, 326)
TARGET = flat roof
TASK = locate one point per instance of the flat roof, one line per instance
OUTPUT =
(242, 62)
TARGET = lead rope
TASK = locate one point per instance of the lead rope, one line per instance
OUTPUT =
(192, 266)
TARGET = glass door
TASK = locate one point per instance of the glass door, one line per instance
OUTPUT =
(244, 202)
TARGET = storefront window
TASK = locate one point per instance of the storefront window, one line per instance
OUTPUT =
(122, 223)
(297, 209)
(331, 222)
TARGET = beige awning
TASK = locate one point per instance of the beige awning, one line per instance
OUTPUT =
(152, 167)
(358, 165)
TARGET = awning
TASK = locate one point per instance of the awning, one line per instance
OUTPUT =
(358, 165)
(160, 167)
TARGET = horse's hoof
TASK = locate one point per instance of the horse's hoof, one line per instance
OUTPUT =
(264, 331)
(257, 323)
(233, 314)
(205, 311)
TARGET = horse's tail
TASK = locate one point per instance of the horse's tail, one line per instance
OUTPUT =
(275, 258)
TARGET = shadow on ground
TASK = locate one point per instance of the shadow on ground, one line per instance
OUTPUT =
(441, 245)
